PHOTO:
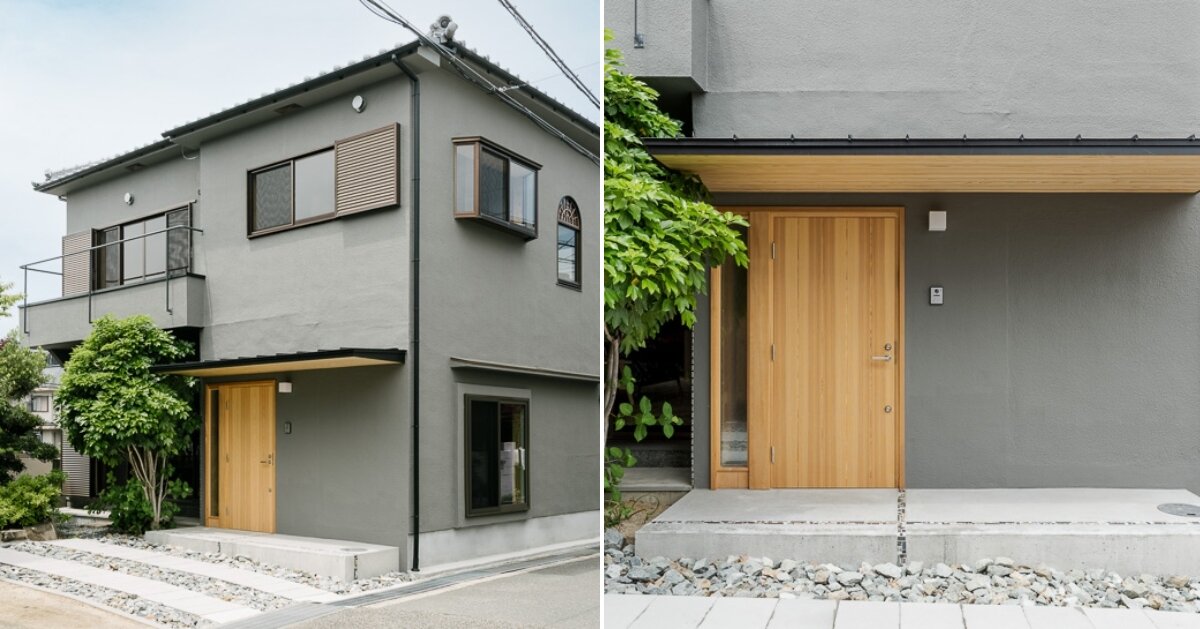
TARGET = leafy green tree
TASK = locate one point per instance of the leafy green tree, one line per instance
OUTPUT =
(20, 373)
(660, 236)
(112, 408)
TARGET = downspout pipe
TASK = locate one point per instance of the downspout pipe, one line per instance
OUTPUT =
(415, 306)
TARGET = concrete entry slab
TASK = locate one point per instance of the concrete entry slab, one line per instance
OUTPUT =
(840, 526)
(1115, 529)
(340, 559)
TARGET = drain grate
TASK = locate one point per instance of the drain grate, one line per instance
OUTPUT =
(1181, 509)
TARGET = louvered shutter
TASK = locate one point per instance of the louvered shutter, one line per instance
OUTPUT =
(78, 469)
(76, 263)
(367, 169)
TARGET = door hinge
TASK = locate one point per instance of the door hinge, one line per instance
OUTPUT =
(772, 250)
(772, 454)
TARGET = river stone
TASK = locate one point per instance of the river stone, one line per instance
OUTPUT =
(850, 578)
(889, 570)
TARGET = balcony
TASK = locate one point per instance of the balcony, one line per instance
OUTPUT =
(149, 274)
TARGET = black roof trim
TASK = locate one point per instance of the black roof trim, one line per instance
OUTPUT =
(923, 146)
(388, 355)
(133, 155)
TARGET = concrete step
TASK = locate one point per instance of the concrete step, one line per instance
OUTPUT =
(341, 559)
(263, 582)
(207, 607)
(1116, 529)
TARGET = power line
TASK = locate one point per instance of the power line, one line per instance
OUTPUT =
(546, 48)
(383, 11)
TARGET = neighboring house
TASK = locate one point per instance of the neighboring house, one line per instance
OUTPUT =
(77, 487)
(974, 238)
(355, 388)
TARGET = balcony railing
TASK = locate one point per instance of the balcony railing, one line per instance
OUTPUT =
(86, 265)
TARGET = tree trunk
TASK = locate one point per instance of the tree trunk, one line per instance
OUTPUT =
(147, 468)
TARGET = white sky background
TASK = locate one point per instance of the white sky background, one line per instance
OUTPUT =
(82, 80)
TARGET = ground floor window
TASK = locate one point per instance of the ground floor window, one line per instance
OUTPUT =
(497, 432)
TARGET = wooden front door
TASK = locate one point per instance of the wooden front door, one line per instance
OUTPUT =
(240, 452)
(834, 312)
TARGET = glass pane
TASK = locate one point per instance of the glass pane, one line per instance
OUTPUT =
(156, 247)
(133, 252)
(492, 185)
(512, 454)
(314, 185)
(733, 363)
(214, 454)
(109, 266)
(464, 179)
(568, 240)
(273, 197)
(179, 242)
(485, 454)
(522, 188)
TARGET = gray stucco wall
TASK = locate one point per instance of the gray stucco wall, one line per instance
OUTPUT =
(933, 68)
(341, 283)
(489, 295)
(342, 472)
(158, 187)
(1068, 349)
(675, 33)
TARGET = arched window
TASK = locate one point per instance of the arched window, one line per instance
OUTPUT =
(569, 226)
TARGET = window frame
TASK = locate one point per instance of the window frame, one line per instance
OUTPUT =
(33, 407)
(565, 220)
(251, 178)
(99, 258)
(473, 512)
(481, 144)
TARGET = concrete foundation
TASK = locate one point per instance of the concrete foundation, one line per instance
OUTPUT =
(339, 559)
(1115, 529)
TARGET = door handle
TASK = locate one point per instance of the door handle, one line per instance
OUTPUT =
(883, 358)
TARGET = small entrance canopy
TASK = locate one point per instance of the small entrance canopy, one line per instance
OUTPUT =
(1075, 165)
(304, 361)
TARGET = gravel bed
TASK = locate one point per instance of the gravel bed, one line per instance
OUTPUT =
(128, 603)
(216, 588)
(996, 580)
(329, 584)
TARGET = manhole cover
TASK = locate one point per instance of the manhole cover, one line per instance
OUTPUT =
(1180, 508)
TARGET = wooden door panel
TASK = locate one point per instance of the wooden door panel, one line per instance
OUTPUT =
(247, 456)
(835, 294)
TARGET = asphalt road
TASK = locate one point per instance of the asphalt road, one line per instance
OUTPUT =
(562, 596)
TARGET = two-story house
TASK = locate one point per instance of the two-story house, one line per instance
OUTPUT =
(386, 270)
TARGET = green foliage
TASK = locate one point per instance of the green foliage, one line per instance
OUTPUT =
(131, 512)
(112, 408)
(31, 500)
(660, 237)
(21, 371)
(7, 299)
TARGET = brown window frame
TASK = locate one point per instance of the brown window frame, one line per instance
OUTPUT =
(482, 144)
(471, 511)
(251, 178)
(572, 218)
(99, 256)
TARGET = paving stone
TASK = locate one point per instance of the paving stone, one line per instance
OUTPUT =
(867, 615)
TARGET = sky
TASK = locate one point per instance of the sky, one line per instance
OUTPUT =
(82, 80)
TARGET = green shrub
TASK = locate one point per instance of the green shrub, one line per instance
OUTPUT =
(130, 512)
(31, 500)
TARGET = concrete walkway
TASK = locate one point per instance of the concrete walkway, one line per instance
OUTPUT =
(263, 582)
(691, 612)
(207, 607)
